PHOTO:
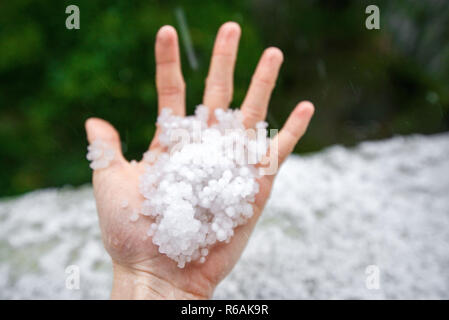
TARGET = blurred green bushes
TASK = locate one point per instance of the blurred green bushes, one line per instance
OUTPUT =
(365, 84)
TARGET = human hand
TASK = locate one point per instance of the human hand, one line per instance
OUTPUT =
(140, 271)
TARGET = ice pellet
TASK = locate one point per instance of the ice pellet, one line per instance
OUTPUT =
(124, 204)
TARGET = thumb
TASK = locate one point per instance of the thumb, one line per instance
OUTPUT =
(99, 129)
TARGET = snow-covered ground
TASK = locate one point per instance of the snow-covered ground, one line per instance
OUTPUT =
(331, 215)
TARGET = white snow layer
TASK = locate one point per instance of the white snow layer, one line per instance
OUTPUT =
(331, 215)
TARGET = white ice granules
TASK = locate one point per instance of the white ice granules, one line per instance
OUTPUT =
(100, 154)
(204, 185)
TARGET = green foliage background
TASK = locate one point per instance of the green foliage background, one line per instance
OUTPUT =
(366, 84)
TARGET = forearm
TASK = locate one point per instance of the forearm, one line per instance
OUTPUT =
(138, 285)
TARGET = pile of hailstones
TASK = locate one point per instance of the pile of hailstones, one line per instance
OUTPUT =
(204, 183)
(99, 154)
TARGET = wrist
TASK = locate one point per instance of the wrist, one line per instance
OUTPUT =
(132, 284)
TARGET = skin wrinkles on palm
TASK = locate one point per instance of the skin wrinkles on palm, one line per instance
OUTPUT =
(126, 241)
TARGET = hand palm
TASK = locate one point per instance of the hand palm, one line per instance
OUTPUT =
(125, 240)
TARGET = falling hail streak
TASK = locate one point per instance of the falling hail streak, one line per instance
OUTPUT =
(185, 36)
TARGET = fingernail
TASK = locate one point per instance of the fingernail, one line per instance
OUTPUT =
(165, 34)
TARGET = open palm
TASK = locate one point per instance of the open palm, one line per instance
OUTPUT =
(140, 271)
